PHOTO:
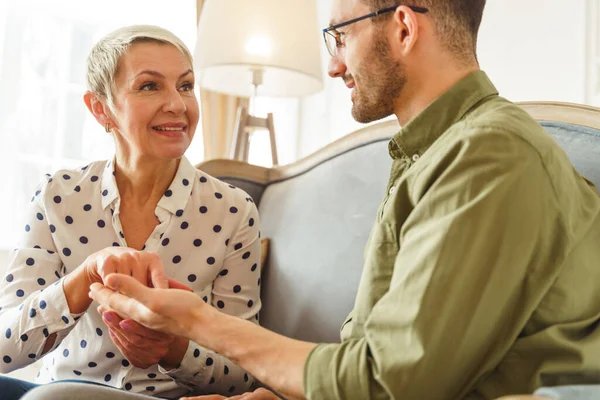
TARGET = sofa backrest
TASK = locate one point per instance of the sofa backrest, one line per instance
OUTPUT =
(318, 213)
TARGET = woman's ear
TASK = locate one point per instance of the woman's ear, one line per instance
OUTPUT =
(99, 109)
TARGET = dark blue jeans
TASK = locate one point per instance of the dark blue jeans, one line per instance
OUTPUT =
(14, 389)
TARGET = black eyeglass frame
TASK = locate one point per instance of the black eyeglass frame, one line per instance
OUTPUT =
(337, 35)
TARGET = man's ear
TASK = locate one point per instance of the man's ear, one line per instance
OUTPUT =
(407, 28)
(99, 109)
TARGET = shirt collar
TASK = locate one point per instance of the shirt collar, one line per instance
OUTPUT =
(174, 199)
(178, 193)
(420, 133)
(108, 187)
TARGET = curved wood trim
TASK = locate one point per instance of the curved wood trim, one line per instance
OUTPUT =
(370, 134)
(577, 114)
(222, 167)
(238, 169)
(542, 111)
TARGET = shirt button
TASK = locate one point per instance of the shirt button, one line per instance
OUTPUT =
(415, 157)
(392, 189)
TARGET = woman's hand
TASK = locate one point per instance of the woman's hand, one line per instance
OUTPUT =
(141, 346)
(144, 347)
(144, 267)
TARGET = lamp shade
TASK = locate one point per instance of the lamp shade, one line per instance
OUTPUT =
(280, 38)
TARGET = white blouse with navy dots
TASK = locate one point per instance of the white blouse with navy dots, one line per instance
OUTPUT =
(208, 237)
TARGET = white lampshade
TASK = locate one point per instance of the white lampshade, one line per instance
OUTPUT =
(279, 37)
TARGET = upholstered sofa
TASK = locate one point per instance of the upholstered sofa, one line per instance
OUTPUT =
(318, 212)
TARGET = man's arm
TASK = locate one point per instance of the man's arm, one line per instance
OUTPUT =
(275, 360)
(476, 256)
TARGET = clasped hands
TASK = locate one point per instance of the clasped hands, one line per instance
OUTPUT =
(141, 346)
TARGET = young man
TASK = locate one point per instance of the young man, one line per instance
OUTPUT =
(481, 273)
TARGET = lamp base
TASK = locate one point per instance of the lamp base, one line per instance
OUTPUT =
(244, 125)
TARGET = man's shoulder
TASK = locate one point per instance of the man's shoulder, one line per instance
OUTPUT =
(501, 116)
(499, 125)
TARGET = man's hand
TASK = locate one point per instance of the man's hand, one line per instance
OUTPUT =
(271, 358)
(145, 347)
(174, 311)
(259, 394)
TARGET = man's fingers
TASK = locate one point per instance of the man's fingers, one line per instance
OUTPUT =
(128, 286)
(173, 284)
(123, 305)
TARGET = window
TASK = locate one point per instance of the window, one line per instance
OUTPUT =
(44, 124)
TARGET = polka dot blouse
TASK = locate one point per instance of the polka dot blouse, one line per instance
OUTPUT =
(208, 237)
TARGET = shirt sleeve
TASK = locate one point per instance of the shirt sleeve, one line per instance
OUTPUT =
(33, 305)
(236, 291)
(471, 266)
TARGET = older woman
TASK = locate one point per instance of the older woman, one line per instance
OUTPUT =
(84, 224)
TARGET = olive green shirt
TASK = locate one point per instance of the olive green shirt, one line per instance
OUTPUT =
(482, 271)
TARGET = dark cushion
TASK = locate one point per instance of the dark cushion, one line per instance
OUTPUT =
(581, 144)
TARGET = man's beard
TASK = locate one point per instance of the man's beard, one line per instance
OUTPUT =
(381, 81)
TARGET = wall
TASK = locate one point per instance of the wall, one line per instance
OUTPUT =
(4, 254)
(531, 49)
(535, 49)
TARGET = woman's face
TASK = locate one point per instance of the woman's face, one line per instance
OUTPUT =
(155, 109)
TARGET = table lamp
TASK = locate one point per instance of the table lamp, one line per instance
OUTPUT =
(258, 47)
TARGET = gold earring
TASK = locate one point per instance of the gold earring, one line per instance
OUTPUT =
(107, 127)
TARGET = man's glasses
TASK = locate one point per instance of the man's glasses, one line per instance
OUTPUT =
(333, 38)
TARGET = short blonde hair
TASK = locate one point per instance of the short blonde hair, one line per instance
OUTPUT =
(103, 61)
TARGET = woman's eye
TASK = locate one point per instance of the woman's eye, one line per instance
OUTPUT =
(187, 87)
(149, 86)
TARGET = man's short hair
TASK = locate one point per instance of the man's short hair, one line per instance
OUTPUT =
(456, 21)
